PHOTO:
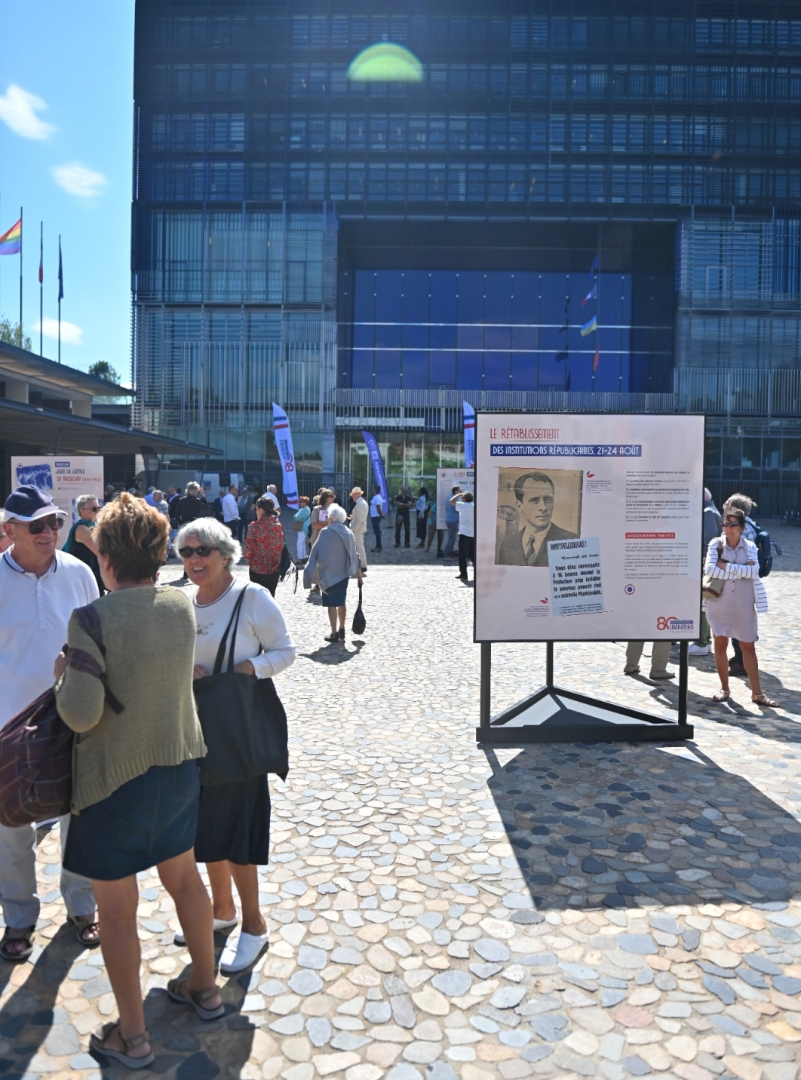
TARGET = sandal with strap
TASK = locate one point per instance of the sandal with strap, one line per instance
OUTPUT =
(721, 695)
(97, 1043)
(24, 934)
(196, 998)
(82, 924)
(761, 699)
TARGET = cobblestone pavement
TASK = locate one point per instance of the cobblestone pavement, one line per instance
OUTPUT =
(438, 910)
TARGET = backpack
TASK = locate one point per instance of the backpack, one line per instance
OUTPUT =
(36, 746)
(764, 553)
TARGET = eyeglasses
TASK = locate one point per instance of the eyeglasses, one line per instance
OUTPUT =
(93, 509)
(202, 552)
(732, 524)
(36, 527)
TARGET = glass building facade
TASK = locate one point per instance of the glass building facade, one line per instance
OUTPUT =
(369, 252)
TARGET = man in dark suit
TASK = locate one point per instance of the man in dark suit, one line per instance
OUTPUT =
(526, 540)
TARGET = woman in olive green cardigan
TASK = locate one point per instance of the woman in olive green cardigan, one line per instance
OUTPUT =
(128, 697)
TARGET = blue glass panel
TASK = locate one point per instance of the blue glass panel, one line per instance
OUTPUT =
(497, 337)
(415, 336)
(415, 296)
(607, 375)
(468, 371)
(526, 302)
(442, 370)
(363, 369)
(496, 371)
(388, 335)
(524, 371)
(580, 373)
(364, 296)
(552, 372)
(443, 296)
(387, 370)
(469, 337)
(498, 303)
(363, 336)
(415, 371)
(442, 337)
(389, 291)
(470, 304)
(525, 338)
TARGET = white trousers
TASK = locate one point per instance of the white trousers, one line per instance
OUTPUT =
(18, 896)
(301, 542)
(361, 551)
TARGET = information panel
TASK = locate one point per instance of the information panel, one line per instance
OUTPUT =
(64, 478)
(447, 479)
(588, 527)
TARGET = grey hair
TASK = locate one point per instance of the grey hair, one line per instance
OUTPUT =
(82, 500)
(192, 488)
(337, 514)
(213, 534)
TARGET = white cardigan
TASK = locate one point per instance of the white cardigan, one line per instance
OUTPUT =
(736, 571)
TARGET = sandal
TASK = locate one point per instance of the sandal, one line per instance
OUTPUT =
(721, 695)
(769, 703)
(195, 998)
(25, 934)
(97, 1043)
(82, 924)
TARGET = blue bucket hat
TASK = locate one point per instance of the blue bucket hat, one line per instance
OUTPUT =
(28, 503)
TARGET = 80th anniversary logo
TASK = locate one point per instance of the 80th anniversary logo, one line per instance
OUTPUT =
(670, 622)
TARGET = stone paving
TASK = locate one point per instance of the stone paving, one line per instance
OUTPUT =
(438, 910)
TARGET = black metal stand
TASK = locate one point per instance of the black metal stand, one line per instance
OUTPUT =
(565, 716)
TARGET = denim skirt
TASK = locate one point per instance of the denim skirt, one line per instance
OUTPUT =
(336, 594)
(148, 820)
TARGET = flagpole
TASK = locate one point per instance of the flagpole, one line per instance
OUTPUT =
(20, 278)
(60, 283)
(41, 286)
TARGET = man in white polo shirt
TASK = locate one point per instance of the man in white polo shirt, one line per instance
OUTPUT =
(40, 587)
(230, 511)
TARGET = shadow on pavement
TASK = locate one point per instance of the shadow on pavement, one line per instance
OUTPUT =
(617, 826)
(334, 654)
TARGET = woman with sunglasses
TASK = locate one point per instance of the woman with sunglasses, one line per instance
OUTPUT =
(80, 541)
(233, 832)
(733, 614)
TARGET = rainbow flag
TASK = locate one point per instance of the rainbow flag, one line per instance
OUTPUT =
(11, 241)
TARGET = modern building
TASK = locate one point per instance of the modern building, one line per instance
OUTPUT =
(370, 213)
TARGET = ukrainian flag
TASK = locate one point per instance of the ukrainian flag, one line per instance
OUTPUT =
(11, 241)
(589, 327)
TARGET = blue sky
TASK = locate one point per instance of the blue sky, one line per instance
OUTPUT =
(66, 107)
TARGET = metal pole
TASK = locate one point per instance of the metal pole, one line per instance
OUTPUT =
(683, 671)
(486, 671)
(549, 664)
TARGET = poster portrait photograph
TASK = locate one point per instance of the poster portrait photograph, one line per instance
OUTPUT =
(534, 507)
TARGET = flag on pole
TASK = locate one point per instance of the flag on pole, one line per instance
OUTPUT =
(591, 295)
(594, 268)
(11, 241)
(283, 442)
(589, 327)
(596, 359)
(41, 259)
(378, 467)
(469, 436)
(60, 273)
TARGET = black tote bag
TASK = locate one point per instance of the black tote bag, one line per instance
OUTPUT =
(243, 720)
(359, 622)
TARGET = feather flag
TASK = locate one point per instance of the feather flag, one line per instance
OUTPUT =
(11, 241)
(283, 442)
(469, 435)
(589, 327)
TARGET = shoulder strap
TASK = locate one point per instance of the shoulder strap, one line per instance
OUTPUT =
(232, 622)
(82, 661)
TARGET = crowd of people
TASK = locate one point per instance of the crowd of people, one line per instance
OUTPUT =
(126, 692)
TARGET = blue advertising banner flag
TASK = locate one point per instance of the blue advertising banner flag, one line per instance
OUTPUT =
(469, 436)
(378, 467)
(283, 442)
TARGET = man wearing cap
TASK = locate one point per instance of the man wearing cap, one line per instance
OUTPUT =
(358, 524)
(40, 587)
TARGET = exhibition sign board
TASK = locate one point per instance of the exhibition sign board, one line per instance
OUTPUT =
(64, 478)
(447, 479)
(588, 527)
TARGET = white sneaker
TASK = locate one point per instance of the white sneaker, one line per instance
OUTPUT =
(242, 952)
(697, 650)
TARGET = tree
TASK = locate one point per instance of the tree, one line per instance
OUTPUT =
(102, 369)
(13, 334)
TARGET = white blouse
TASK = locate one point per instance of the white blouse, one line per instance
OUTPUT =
(261, 637)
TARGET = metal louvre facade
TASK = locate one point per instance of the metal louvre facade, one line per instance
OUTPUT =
(377, 252)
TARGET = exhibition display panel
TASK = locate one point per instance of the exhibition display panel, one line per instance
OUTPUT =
(588, 528)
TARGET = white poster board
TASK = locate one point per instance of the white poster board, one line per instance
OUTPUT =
(588, 527)
(64, 478)
(447, 479)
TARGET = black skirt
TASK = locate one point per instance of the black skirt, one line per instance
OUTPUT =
(234, 823)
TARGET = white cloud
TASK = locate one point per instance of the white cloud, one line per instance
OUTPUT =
(79, 180)
(18, 109)
(70, 333)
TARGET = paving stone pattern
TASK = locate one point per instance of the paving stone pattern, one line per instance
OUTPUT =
(438, 910)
